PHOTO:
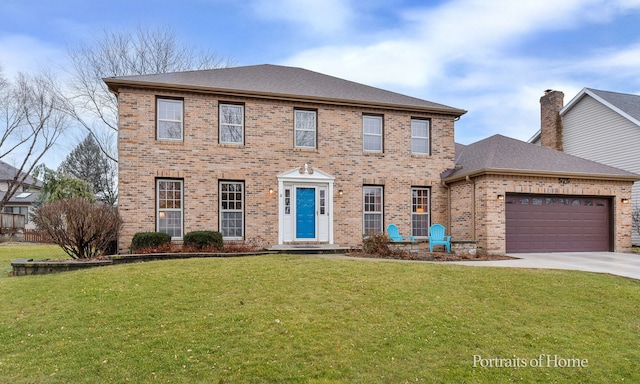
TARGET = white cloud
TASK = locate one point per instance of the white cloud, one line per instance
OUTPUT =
(19, 53)
(323, 17)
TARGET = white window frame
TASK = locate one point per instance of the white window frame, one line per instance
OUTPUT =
(161, 212)
(162, 118)
(415, 138)
(378, 135)
(420, 209)
(298, 129)
(225, 209)
(228, 125)
(375, 213)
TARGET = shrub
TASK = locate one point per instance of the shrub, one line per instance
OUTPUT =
(377, 245)
(143, 240)
(203, 239)
(83, 229)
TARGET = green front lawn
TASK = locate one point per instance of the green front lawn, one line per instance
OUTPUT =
(291, 319)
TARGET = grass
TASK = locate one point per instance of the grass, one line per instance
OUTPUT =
(8, 253)
(292, 319)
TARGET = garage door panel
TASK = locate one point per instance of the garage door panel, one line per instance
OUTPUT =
(547, 223)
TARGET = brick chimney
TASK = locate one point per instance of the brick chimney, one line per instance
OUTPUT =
(550, 121)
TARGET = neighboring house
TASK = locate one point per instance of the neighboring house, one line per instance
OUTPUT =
(22, 201)
(297, 158)
(597, 125)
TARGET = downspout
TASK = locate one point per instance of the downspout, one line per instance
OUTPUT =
(473, 206)
(448, 224)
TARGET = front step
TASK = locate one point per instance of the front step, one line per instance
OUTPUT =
(307, 249)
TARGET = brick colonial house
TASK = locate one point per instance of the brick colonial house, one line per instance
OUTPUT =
(290, 157)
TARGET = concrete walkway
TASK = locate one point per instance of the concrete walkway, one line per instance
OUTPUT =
(621, 264)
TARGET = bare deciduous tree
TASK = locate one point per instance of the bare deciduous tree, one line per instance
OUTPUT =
(81, 228)
(32, 118)
(138, 52)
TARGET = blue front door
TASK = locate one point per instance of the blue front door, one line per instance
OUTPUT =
(305, 213)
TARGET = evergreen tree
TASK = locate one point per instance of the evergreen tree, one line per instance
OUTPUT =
(89, 163)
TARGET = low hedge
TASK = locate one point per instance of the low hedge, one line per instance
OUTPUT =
(203, 239)
(143, 240)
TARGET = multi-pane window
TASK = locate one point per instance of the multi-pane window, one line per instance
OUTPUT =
(372, 133)
(169, 119)
(169, 200)
(323, 201)
(305, 128)
(231, 124)
(18, 210)
(420, 136)
(420, 212)
(232, 209)
(287, 201)
(372, 209)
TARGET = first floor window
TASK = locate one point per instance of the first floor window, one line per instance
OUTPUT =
(420, 212)
(17, 210)
(232, 209)
(169, 119)
(231, 124)
(169, 207)
(372, 209)
(372, 133)
(420, 136)
(305, 129)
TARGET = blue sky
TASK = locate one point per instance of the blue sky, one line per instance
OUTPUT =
(493, 58)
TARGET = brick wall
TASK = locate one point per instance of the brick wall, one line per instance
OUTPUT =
(490, 212)
(268, 151)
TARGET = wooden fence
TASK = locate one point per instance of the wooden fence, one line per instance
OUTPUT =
(36, 236)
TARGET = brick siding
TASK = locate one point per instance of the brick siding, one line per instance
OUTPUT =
(489, 229)
(268, 150)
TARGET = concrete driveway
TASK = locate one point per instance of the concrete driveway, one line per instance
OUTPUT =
(621, 264)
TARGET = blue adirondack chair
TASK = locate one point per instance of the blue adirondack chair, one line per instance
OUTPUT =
(394, 234)
(437, 237)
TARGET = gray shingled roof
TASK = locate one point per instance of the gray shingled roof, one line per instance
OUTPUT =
(8, 172)
(500, 154)
(627, 103)
(281, 82)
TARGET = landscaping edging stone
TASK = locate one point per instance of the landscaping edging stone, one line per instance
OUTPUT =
(26, 267)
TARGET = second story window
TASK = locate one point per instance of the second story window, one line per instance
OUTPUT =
(305, 129)
(169, 119)
(231, 124)
(372, 133)
(420, 136)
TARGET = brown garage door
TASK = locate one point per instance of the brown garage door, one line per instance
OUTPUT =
(557, 223)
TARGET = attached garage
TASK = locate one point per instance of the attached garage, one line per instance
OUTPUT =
(508, 196)
(557, 223)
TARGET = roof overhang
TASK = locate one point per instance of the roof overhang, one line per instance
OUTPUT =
(535, 173)
(115, 84)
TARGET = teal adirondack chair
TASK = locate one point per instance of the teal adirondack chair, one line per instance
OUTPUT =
(437, 237)
(394, 234)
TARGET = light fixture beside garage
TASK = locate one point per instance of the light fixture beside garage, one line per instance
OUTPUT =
(624, 201)
(500, 197)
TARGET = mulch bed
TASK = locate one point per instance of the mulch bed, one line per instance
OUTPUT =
(430, 256)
